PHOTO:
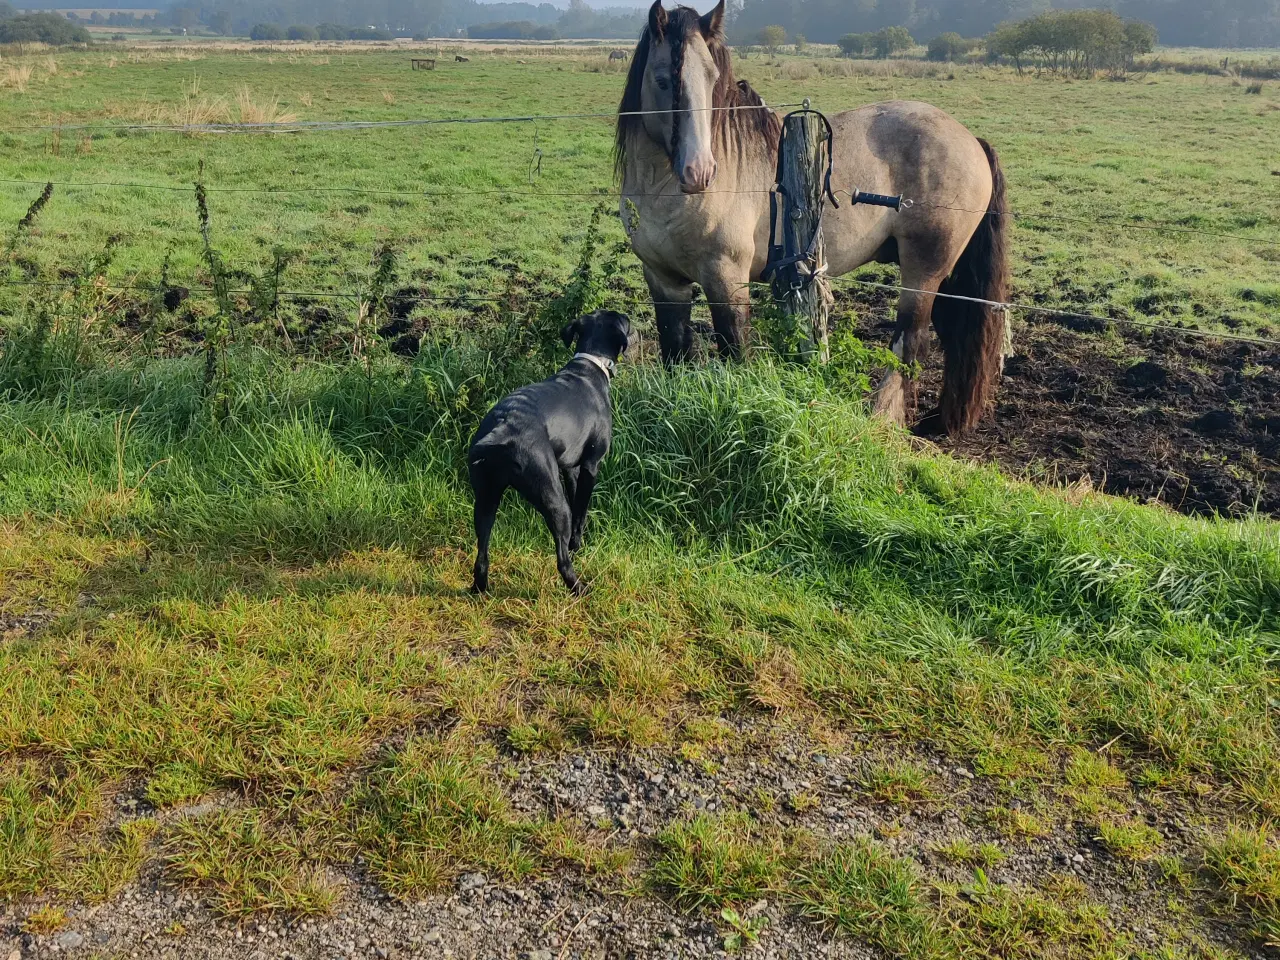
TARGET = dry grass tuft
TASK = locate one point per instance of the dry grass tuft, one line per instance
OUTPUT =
(196, 109)
(17, 77)
(305, 99)
(266, 111)
(388, 97)
(50, 66)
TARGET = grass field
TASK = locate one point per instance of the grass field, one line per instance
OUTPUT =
(1090, 150)
(236, 648)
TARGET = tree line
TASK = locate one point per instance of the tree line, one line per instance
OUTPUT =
(1077, 41)
(51, 28)
(383, 19)
(1216, 23)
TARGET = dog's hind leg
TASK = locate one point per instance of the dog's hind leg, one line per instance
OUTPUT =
(487, 500)
(582, 502)
(543, 488)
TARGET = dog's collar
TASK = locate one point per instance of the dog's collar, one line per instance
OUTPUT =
(607, 367)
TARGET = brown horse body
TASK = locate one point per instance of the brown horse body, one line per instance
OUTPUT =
(697, 156)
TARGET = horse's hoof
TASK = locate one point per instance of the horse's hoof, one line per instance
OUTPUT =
(580, 589)
(479, 588)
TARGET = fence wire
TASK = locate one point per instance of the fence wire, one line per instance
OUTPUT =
(642, 302)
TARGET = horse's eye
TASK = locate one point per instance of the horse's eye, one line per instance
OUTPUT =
(663, 83)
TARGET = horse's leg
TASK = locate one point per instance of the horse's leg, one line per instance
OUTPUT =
(729, 296)
(673, 306)
(895, 398)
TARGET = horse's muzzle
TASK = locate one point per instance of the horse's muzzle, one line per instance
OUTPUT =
(698, 176)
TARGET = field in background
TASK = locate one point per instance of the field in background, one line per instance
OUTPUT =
(830, 690)
(1196, 151)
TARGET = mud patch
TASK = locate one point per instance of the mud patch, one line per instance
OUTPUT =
(1191, 423)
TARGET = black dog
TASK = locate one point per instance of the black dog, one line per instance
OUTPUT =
(561, 426)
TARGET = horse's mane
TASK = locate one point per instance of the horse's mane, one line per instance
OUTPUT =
(760, 128)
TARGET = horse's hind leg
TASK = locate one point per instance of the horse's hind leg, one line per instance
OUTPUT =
(895, 398)
(673, 307)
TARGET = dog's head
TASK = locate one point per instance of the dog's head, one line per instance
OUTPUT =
(604, 333)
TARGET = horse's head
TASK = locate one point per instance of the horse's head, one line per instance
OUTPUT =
(678, 70)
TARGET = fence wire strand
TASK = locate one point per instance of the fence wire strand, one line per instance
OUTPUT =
(607, 194)
(461, 299)
(328, 126)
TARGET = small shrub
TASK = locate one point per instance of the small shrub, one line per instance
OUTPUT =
(267, 32)
(1254, 88)
(772, 37)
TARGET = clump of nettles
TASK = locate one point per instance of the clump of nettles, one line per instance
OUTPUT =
(25, 224)
(852, 361)
(588, 286)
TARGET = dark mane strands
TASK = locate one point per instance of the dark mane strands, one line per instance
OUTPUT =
(760, 127)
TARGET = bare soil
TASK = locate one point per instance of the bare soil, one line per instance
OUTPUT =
(1168, 417)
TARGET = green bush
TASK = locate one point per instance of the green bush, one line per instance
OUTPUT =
(772, 37)
(892, 40)
(302, 32)
(1073, 41)
(267, 31)
(50, 28)
(950, 47)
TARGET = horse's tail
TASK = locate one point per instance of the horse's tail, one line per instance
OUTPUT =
(973, 334)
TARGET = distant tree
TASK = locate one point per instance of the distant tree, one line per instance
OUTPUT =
(1139, 38)
(50, 28)
(301, 32)
(331, 31)
(800, 42)
(267, 31)
(1011, 41)
(772, 37)
(950, 46)
(892, 40)
(1077, 41)
(854, 44)
(220, 22)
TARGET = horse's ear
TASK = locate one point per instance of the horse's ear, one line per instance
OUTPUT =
(712, 22)
(570, 332)
(657, 20)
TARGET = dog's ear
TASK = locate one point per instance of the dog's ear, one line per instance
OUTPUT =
(571, 331)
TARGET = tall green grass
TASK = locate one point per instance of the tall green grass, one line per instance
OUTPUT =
(1085, 619)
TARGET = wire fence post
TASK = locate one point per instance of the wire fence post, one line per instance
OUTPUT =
(801, 289)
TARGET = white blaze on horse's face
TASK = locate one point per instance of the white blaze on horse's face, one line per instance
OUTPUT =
(680, 83)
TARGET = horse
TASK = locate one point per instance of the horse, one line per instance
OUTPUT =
(617, 55)
(696, 154)
(459, 58)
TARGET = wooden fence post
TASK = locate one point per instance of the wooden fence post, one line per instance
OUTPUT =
(803, 292)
